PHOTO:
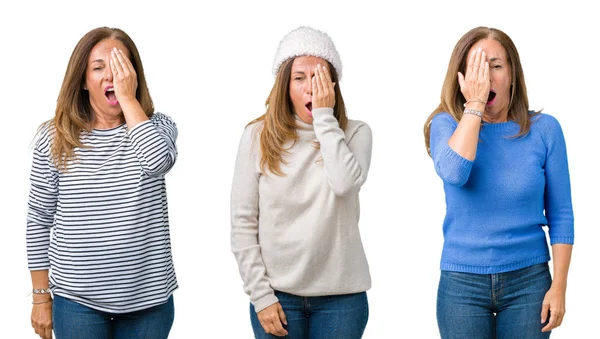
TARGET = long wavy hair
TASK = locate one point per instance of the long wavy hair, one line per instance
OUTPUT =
(279, 120)
(452, 99)
(74, 112)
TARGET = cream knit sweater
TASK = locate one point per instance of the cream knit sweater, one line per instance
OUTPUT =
(298, 233)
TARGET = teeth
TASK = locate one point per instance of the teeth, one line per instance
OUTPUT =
(110, 90)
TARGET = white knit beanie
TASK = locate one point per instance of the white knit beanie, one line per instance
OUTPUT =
(307, 41)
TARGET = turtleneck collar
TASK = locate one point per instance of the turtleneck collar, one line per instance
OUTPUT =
(305, 131)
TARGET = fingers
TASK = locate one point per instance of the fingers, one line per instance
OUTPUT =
(461, 80)
(271, 320)
(119, 64)
(551, 324)
(545, 310)
(486, 72)
(44, 332)
(323, 91)
(48, 333)
(115, 64)
(482, 63)
(327, 83)
(282, 315)
(274, 327)
(126, 64)
(470, 63)
(556, 319)
(476, 65)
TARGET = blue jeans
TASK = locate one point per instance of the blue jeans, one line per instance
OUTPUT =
(327, 317)
(73, 320)
(503, 305)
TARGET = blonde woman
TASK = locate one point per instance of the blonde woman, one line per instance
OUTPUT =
(294, 201)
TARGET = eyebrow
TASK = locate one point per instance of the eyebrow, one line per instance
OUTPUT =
(97, 60)
(495, 59)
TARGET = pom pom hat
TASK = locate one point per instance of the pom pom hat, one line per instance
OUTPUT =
(305, 41)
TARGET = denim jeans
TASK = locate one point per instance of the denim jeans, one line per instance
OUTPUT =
(73, 320)
(327, 317)
(499, 306)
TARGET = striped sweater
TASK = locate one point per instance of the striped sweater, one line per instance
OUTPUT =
(102, 227)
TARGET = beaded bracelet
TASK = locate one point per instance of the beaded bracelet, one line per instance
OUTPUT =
(41, 302)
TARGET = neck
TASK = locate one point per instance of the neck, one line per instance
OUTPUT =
(102, 121)
(495, 118)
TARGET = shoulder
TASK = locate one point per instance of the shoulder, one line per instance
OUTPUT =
(253, 129)
(545, 124)
(548, 127)
(251, 135)
(544, 121)
(444, 118)
(45, 135)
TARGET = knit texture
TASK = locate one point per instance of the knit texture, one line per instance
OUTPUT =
(305, 41)
(102, 227)
(497, 204)
(299, 233)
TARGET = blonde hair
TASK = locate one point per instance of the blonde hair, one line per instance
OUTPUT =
(279, 120)
(74, 113)
(452, 99)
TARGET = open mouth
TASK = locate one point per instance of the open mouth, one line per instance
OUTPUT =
(109, 92)
(491, 97)
(309, 108)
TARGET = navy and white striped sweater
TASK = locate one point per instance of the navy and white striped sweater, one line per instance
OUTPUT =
(110, 247)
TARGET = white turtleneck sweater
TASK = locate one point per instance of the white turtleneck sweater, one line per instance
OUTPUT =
(298, 233)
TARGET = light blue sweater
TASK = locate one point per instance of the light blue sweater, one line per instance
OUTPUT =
(497, 204)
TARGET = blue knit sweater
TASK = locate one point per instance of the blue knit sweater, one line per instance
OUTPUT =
(497, 204)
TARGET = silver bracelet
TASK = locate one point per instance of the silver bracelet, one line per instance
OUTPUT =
(41, 291)
(473, 111)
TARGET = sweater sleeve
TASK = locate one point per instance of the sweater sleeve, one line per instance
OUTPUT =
(557, 196)
(244, 223)
(43, 196)
(154, 144)
(452, 168)
(346, 162)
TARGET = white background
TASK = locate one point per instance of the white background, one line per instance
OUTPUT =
(209, 68)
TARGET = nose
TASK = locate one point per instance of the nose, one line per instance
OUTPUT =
(108, 75)
(309, 86)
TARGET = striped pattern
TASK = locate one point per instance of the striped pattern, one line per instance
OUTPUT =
(109, 248)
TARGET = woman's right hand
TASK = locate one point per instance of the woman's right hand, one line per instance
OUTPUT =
(272, 320)
(41, 319)
(475, 83)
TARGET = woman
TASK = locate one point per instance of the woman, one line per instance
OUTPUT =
(505, 175)
(98, 183)
(294, 201)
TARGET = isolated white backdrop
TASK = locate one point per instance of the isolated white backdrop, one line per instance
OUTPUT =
(208, 66)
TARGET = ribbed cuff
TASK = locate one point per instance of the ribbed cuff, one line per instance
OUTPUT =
(569, 240)
(265, 302)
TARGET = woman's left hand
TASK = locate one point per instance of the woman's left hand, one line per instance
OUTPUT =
(124, 75)
(553, 305)
(323, 92)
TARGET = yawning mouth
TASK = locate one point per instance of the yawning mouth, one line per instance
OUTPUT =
(309, 108)
(109, 92)
(491, 97)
